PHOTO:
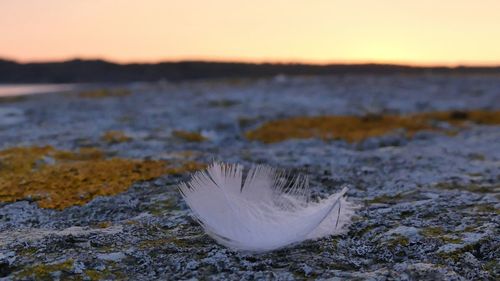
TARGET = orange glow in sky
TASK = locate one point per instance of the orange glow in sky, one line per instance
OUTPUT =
(423, 32)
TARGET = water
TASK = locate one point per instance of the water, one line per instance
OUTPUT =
(29, 89)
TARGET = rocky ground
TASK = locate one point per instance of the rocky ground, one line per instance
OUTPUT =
(429, 202)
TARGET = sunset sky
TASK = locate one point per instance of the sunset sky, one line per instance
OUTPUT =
(424, 32)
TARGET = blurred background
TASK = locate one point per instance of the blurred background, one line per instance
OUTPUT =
(57, 41)
(447, 32)
(107, 105)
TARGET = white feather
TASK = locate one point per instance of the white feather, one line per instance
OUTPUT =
(266, 211)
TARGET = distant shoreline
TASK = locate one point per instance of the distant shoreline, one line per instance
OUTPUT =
(12, 90)
(100, 71)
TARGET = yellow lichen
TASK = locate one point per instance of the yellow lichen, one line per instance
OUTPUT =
(113, 137)
(44, 271)
(355, 128)
(148, 244)
(10, 99)
(183, 154)
(96, 275)
(189, 136)
(432, 231)
(471, 187)
(398, 240)
(386, 199)
(84, 153)
(104, 224)
(110, 272)
(439, 233)
(27, 252)
(59, 179)
(104, 93)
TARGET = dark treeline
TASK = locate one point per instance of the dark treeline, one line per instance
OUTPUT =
(75, 71)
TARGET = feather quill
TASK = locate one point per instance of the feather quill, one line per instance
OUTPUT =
(265, 211)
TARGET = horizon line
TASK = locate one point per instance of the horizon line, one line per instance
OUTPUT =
(260, 61)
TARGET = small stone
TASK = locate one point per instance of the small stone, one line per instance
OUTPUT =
(116, 256)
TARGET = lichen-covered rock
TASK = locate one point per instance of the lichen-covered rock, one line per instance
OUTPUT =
(88, 181)
(59, 179)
